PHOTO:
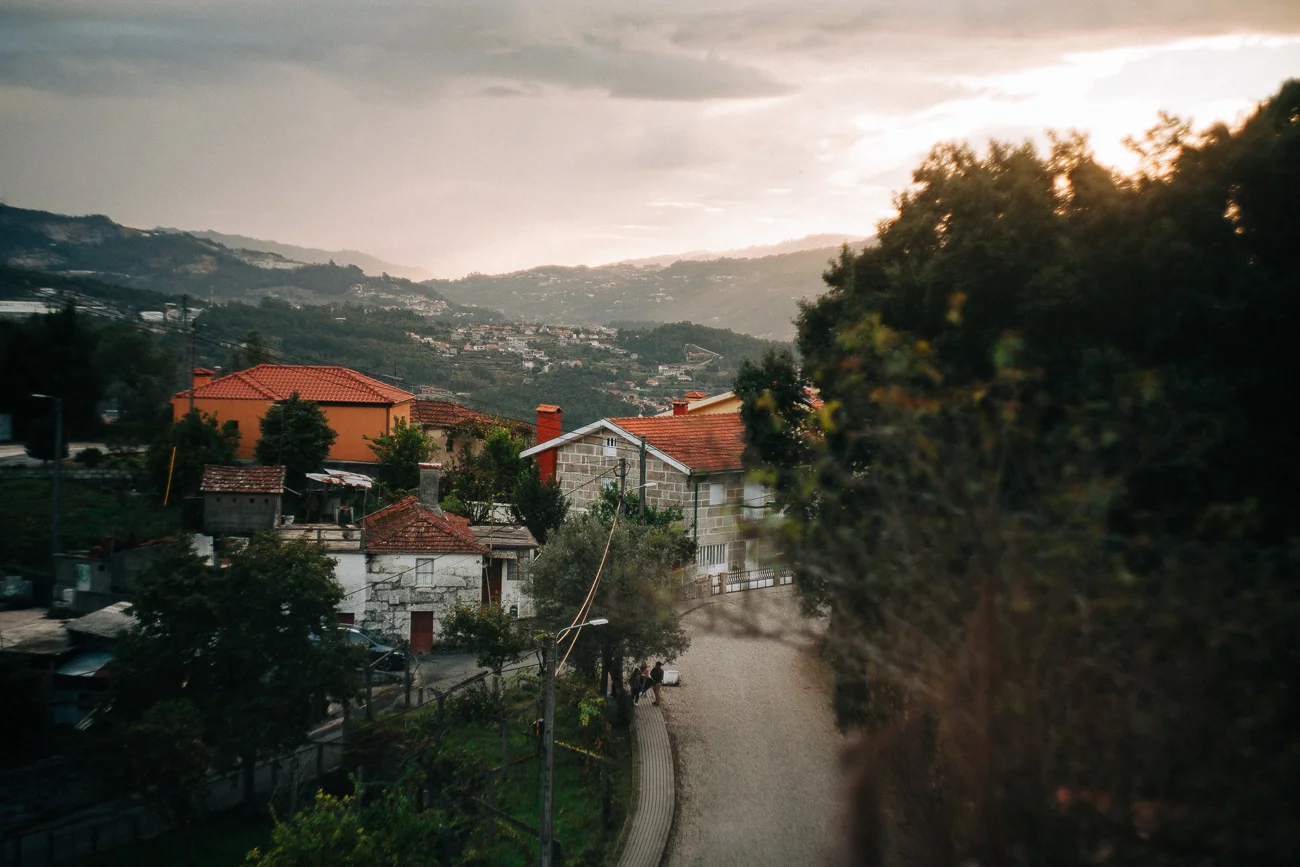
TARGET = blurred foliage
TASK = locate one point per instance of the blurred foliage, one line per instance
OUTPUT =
(1049, 501)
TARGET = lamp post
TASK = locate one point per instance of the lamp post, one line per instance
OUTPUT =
(546, 827)
(57, 524)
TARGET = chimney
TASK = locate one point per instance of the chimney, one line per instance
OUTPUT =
(679, 405)
(202, 376)
(549, 426)
(430, 480)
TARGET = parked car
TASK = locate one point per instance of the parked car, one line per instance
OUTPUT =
(379, 651)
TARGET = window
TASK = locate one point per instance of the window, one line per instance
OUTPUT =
(608, 482)
(424, 572)
(611, 447)
(512, 570)
(711, 555)
(252, 499)
(717, 493)
(755, 499)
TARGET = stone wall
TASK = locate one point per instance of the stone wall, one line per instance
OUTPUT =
(240, 514)
(392, 591)
(581, 462)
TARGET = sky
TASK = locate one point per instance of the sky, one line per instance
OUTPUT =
(488, 135)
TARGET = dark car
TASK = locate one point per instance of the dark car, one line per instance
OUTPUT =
(380, 651)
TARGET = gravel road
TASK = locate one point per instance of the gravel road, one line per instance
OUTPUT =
(757, 749)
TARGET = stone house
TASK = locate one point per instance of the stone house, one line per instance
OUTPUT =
(454, 428)
(691, 461)
(240, 501)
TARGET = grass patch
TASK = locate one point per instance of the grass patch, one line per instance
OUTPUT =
(579, 818)
(91, 511)
(221, 841)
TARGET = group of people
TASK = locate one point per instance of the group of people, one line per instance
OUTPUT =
(645, 679)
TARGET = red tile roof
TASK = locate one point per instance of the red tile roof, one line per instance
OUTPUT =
(444, 413)
(325, 384)
(705, 443)
(242, 480)
(409, 527)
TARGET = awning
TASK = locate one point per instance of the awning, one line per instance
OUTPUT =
(342, 479)
(88, 664)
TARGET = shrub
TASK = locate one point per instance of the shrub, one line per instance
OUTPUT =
(91, 457)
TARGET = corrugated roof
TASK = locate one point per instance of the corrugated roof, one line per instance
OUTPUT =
(705, 443)
(504, 536)
(410, 527)
(242, 480)
(107, 622)
(324, 384)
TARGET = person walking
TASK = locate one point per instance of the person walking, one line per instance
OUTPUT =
(640, 682)
(657, 680)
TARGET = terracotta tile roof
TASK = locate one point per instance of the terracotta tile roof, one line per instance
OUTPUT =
(504, 536)
(444, 413)
(325, 384)
(409, 527)
(242, 480)
(705, 443)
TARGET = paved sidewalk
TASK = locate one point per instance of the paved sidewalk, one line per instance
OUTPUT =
(656, 792)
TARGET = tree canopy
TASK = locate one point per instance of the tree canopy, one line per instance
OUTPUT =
(1046, 501)
(297, 436)
(198, 439)
(248, 645)
(399, 454)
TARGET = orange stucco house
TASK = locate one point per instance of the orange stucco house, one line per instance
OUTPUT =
(355, 405)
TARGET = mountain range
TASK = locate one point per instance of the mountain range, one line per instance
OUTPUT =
(754, 291)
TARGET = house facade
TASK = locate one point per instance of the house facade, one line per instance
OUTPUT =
(405, 567)
(699, 403)
(356, 406)
(692, 462)
(240, 501)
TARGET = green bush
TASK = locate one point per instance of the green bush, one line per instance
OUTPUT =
(91, 457)
(473, 704)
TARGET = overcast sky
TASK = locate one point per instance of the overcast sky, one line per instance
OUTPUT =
(485, 135)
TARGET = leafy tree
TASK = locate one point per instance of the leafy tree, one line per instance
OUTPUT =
(637, 590)
(250, 646)
(51, 354)
(400, 454)
(495, 638)
(479, 480)
(607, 504)
(141, 380)
(367, 828)
(1038, 508)
(539, 505)
(296, 435)
(198, 439)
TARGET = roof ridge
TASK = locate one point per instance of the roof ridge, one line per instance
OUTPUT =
(245, 377)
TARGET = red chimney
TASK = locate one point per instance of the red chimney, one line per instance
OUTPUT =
(202, 376)
(548, 428)
(679, 405)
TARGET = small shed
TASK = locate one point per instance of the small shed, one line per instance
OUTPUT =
(240, 501)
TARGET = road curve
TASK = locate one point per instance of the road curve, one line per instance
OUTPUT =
(758, 768)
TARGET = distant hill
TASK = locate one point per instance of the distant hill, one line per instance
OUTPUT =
(797, 245)
(206, 270)
(371, 265)
(756, 296)
(667, 344)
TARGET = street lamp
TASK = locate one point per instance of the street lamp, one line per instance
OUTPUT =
(546, 829)
(57, 525)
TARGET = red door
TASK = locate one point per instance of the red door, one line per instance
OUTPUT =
(491, 592)
(421, 631)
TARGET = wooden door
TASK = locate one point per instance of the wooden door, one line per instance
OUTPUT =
(491, 590)
(421, 631)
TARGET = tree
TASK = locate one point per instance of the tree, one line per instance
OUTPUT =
(479, 480)
(251, 646)
(495, 638)
(400, 454)
(1035, 509)
(141, 380)
(197, 439)
(539, 505)
(297, 436)
(604, 508)
(637, 590)
(52, 354)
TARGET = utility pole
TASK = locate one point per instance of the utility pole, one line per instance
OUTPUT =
(546, 827)
(641, 504)
(189, 345)
(622, 480)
